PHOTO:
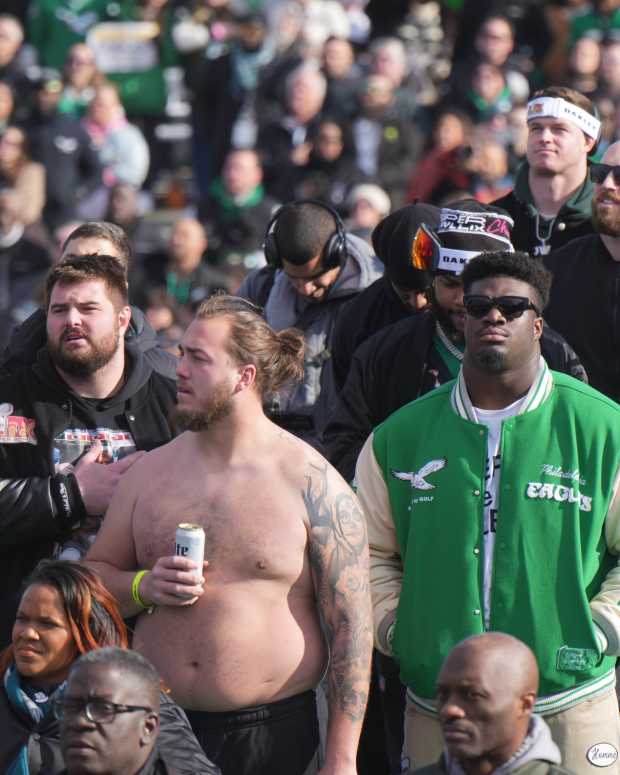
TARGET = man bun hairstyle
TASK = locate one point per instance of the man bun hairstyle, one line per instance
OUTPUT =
(78, 269)
(518, 265)
(277, 355)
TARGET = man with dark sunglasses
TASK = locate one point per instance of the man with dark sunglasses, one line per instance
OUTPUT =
(415, 355)
(585, 296)
(493, 503)
(550, 203)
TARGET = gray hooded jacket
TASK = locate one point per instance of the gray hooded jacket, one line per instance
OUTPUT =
(285, 307)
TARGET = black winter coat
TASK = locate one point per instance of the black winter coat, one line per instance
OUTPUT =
(585, 308)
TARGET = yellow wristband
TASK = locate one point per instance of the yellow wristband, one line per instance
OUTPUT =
(135, 590)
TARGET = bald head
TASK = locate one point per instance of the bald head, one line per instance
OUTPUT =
(506, 660)
(486, 691)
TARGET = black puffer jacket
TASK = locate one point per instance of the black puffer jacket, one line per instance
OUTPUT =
(39, 506)
(30, 337)
(176, 742)
(396, 366)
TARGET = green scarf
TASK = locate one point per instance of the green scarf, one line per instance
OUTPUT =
(26, 707)
(230, 206)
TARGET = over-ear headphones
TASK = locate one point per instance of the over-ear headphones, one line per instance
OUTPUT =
(335, 251)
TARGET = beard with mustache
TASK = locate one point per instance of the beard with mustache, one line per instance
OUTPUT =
(84, 363)
(218, 406)
(606, 221)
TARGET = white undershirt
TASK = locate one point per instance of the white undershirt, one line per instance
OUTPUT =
(493, 419)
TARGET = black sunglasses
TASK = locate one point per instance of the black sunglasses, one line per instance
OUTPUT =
(598, 172)
(511, 307)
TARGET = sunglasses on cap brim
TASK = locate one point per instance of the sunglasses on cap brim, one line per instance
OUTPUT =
(598, 173)
(511, 307)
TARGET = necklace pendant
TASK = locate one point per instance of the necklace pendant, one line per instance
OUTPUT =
(542, 250)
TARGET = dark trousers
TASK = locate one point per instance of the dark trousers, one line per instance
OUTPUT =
(281, 738)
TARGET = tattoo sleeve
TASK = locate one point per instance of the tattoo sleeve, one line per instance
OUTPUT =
(338, 553)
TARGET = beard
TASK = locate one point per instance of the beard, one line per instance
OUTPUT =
(214, 410)
(606, 222)
(84, 363)
(446, 321)
(491, 361)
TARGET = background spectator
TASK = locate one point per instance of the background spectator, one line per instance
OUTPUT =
(80, 78)
(583, 65)
(387, 146)
(441, 171)
(123, 151)
(20, 173)
(331, 168)
(23, 265)
(343, 76)
(236, 211)
(368, 204)
(286, 139)
(63, 147)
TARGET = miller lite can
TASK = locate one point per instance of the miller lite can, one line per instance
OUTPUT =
(190, 543)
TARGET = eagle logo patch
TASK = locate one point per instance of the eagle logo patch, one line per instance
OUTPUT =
(417, 479)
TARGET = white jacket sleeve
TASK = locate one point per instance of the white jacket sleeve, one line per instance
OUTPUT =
(605, 605)
(386, 572)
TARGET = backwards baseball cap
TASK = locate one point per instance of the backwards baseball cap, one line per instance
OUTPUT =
(558, 107)
(465, 229)
(392, 240)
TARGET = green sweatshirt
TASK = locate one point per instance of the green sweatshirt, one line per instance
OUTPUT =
(554, 570)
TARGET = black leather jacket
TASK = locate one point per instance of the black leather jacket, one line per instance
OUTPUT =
(37, 505)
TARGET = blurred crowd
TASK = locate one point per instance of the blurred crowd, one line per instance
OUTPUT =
(187, 122)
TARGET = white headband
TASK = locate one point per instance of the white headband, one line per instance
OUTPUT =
(556, 107)
(455, 260)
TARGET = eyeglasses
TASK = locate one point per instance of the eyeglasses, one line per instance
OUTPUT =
(598, 173)
(511, 307)
(98, 711)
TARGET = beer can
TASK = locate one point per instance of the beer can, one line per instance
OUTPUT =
(190, 543)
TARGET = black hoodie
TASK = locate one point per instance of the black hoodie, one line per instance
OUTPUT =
(44, 425)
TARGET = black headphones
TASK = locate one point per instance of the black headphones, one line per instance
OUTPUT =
(333, 254)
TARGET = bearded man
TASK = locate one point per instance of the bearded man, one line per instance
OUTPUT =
(240, 642)
(585, 295)
(71, 424)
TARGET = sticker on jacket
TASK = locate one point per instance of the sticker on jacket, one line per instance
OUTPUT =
(72, 443)
(16, 430)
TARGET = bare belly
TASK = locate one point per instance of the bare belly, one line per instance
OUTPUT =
(242, 644)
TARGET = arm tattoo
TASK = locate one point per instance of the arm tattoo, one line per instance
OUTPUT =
(338, 554)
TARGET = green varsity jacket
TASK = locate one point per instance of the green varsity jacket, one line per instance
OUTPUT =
(420, 479)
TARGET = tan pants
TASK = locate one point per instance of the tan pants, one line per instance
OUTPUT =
(575, 731)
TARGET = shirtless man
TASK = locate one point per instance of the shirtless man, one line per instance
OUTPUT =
(285, 546)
